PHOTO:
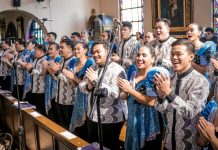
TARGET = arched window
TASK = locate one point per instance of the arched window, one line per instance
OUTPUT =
(36, 32)
(132, 10)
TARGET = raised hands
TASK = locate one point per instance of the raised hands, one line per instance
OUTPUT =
(163, 84)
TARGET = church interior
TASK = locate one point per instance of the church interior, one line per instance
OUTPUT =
(34, 21)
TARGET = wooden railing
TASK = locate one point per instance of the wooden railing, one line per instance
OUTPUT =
(40, 132)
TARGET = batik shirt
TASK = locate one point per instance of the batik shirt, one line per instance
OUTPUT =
(162, 50)
(143, 121)
(4, 67)
(182, 107)
(65, 86)
(213, 78)
(38, 75)
(20, 69)
(127, 52)
(112, 107)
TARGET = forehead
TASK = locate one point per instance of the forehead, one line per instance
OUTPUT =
(160, 24)
(149, 34)
(98, 47)
(192, 26)
(125, 28)
(144, 50)
(63, 44)
(179, 48)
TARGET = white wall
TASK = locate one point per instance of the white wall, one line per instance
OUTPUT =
(201, 9)
(67, 15)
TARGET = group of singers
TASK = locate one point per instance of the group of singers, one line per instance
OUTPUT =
(159, 86)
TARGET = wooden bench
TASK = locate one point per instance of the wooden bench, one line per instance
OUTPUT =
(40, 132)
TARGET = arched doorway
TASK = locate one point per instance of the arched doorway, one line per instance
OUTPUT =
(22, 23)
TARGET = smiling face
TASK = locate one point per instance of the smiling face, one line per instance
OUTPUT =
(181, 59)
(53, 51)
(144, 58)
(193, 33)
(65, 50)
(162, 30)
(99, 54)
(125, 33)
(79, 51)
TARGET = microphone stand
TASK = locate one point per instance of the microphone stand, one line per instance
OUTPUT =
(100, 92)
(22, 145)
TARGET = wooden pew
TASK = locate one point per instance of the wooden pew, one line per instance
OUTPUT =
(40, 132)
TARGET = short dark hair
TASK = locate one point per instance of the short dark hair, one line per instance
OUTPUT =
(188, 44)
(7, 41)
(21, 42)
(56, 45)
(68, 42)
(84, 45)
(164, 20)
(127, 24)
(104, 43)
(52, 33)
(41, 47)
(32, 41)
(209, 29)
(76, 34)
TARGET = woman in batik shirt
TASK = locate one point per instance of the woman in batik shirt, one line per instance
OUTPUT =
(144, 123)
(77, 73)
(203, 51)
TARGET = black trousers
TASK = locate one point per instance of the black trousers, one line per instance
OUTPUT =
(38, 100)
(20, 90)
(52, 113)
(64, 113)
(82, 131)
(111, 133)
(5, 83)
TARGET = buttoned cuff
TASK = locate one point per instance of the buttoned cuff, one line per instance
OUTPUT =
(170, 98)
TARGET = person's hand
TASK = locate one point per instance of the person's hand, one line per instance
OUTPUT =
(115, 58)
(206, 129)
(45, 63)
(124, 84)
(9, 56)
(28, 66)
(163, 83)
(20, 61)
(69, 74)
(54, 66)
(214, 63)
(91, 74)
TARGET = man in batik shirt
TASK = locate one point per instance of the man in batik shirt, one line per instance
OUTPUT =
(182, 98)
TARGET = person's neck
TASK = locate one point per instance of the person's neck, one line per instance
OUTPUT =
(42, 55)
(197, 43)
(126, 39)
(143, 72)
(82, 60)
(185, 70)
(68, 56)
(55, 56)
(164, 39)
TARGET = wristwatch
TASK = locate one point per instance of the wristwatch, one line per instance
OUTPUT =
(95, 82)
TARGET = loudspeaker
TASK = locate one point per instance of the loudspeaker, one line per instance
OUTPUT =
(16, 3)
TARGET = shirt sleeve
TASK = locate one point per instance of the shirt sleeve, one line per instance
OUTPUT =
(196, 99)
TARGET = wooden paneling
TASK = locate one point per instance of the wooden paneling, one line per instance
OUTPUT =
(40, 132)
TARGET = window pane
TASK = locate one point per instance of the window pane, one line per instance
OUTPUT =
(126, 4)
(132, 10)
(127, 15)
